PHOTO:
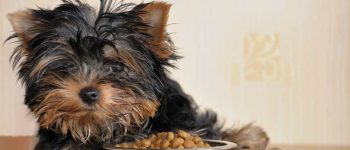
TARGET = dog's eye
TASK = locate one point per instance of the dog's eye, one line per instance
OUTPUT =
(117, 67)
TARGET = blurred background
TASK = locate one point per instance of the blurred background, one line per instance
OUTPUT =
(284, 64)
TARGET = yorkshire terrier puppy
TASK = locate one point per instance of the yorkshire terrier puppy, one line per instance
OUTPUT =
(98, 77)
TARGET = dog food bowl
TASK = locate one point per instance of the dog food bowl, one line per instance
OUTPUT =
(215, 145)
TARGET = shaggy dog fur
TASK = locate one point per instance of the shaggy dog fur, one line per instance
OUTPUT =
(95, 78)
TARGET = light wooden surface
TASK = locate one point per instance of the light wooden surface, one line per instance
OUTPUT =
(282, 63)
(311, 147)
(28, 143)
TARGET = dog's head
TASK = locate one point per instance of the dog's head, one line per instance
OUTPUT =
(88, 72)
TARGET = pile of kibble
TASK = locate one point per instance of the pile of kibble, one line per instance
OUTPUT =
(167, 140)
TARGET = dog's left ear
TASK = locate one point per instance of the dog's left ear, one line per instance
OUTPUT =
(22, 23)
(155, 14)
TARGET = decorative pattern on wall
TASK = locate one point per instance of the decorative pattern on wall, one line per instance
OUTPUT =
(262, 61)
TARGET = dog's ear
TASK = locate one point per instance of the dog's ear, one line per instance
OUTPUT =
(155, 14)
(23, 23)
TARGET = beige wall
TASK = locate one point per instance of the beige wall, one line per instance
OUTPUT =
(284, 64)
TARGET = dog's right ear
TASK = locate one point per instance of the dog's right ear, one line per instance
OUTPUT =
(23, 23)
(155, 14)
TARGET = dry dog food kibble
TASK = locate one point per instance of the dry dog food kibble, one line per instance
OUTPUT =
(167, 140)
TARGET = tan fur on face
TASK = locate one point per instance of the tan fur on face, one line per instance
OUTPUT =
(43, 63)
(125, 56)
(63, 111)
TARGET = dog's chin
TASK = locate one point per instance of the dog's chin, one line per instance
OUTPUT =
(99, 122)
(86, 126)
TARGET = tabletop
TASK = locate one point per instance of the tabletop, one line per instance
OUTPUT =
(28, 142)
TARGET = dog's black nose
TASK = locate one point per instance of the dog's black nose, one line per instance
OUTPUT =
(89, 95)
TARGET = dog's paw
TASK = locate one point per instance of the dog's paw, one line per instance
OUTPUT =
(247, 137)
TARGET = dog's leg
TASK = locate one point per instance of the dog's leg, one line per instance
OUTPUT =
(247, 137)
